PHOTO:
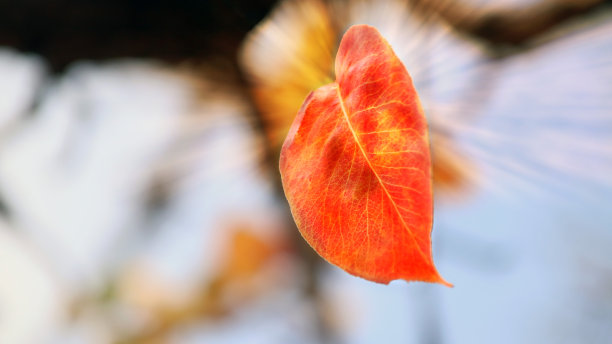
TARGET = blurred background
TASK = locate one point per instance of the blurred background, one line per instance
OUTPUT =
(140, 200)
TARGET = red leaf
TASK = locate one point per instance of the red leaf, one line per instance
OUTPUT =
(356, 167)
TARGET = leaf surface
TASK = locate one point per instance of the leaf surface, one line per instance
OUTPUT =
(356, 166)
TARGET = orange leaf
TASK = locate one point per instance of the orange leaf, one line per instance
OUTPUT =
(356, 166)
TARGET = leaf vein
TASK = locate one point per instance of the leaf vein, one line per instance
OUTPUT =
(365, 156)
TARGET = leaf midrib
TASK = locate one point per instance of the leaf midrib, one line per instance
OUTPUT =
(382, 184)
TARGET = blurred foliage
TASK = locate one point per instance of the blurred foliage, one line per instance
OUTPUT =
(139, 196)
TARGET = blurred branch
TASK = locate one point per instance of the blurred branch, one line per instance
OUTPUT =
(69, 30)
(510, 25)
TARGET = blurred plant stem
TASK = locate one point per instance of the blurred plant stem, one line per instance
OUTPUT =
(310, 259)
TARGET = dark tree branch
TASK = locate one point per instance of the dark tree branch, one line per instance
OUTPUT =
(514, 25)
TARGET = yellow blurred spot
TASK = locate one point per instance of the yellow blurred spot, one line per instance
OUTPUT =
(287, 56)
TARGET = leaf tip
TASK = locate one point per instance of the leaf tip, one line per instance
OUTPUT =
(440, 280)
(445, 283)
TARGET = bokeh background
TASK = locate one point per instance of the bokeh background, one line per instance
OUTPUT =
(140, 199)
